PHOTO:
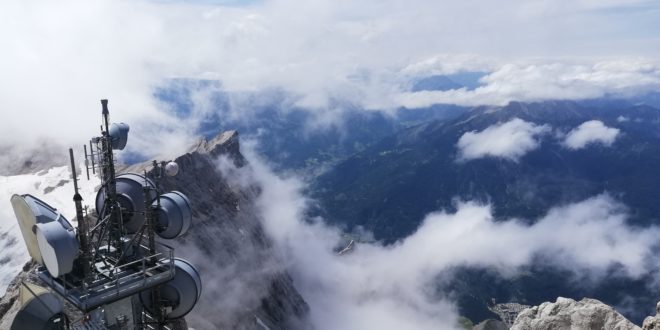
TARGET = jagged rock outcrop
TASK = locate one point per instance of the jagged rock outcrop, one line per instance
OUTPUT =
(491, 324)
(565, 313)
(652, 322)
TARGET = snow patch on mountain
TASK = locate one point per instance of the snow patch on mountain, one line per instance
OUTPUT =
(55, 187)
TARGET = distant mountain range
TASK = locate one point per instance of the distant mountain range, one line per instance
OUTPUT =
(295, 138)
(386, 172)
(389, 187)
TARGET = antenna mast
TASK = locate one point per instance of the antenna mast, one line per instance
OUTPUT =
(116, 258)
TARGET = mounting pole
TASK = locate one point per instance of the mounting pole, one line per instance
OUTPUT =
(109, 181)
(83, 228)
(152, 219)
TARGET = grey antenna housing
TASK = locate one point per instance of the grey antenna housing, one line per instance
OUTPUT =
(174, 215)
(181, 293)
(130, 195)
(40, 309)
(30, 212)
(58, 246)
(119, 135)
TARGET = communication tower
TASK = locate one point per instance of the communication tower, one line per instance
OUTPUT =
(110, 268)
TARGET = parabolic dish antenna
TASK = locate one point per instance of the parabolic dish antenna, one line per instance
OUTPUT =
(31, 211)
(181, 293)
(119, 135)
(42, 313)
(174, 215)
(130, 195)
(58, 246)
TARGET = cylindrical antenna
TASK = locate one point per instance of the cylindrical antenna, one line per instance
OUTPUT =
(106, 114)
(73, 172)
(104, 104)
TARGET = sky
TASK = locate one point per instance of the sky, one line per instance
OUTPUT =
(59, 59)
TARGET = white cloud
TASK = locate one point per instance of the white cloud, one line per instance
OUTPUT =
(591, 132)
(59, 59)
(537, 81)
(393, 287)
(510, 140)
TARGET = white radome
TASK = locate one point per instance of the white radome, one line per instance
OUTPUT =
(171, 169)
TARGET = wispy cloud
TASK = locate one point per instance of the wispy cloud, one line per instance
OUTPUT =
(591, 132)
(510, 140)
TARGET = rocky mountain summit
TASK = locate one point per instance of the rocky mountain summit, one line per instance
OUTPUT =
(244, 285)
(567, 313)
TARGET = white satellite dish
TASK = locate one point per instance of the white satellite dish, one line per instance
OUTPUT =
(58, 246)
(31, 211)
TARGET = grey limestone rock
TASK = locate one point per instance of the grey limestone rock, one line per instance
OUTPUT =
(565, 313)
(653, 322)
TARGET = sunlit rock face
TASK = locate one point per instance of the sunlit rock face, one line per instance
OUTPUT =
(586, 314)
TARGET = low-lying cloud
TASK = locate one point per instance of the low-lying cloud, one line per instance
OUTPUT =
(393, 286)
(591, 132)
(510, 140)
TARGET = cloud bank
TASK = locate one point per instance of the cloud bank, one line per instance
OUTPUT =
(537, 81)
(60, 58)
(591, 132)
(510, 140)
(394, 286)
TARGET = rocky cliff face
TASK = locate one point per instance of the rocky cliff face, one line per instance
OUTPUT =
(586, 314)
(244, 284)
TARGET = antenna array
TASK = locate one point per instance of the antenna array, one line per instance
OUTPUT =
(115, 255)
